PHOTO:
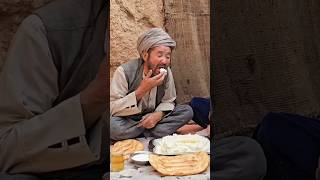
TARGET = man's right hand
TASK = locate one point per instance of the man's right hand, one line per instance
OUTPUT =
(148, 83)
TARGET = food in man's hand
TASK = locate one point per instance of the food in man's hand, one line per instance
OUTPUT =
(180, 165)
(163, 71)
(127, 147)
(181, 144)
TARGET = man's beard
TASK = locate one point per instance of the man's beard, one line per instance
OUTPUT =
(153, 67)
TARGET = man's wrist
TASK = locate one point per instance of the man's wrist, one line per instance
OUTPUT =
(139, 94)
(161, 114)
(164, 113)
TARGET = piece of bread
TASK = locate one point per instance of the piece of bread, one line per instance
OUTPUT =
(181, 165)
(127, 147)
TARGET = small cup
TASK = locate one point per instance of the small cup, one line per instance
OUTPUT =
(117, 162)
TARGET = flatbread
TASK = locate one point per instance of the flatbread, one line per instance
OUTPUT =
(127, 147)
(180, 165)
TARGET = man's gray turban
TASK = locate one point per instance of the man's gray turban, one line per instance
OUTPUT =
(152, 38)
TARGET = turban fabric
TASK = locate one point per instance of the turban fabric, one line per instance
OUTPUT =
(152, 38)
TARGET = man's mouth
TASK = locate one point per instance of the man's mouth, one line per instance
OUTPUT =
(159, 67)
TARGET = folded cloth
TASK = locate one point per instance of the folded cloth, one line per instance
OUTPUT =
(201, 109)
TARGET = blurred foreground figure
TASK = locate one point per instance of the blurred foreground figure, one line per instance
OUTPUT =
(53, 92)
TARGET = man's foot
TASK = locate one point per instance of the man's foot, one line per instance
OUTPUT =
(189, 128)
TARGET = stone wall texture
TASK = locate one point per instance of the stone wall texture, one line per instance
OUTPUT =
(12, 12)
(266, 58)
(188, 24)
(128, 19)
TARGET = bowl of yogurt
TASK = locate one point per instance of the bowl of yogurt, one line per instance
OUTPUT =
(140, 157)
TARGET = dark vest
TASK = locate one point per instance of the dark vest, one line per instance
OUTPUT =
(133, 70)
(76, 32)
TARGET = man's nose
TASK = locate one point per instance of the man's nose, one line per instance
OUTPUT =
(165, 61)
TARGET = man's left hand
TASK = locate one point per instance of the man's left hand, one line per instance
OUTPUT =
(150, 120)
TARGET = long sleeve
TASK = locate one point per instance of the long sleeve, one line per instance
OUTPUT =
(167, 102)
(122, 103)
(28, 122)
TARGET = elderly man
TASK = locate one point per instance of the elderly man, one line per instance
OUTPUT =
(142, 98)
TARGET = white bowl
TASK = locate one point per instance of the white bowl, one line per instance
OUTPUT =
(140, 157)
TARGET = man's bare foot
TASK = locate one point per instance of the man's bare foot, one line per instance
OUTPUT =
(189, 128)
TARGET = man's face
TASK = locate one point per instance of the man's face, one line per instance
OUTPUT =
(158, 57)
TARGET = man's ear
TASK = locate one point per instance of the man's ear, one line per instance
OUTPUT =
(145, 55)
